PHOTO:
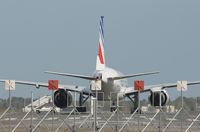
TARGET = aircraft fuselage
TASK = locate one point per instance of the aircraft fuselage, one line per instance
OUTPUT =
(110, 87)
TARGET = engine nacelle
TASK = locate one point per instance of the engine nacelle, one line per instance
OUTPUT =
(155, 96)
(62, 98)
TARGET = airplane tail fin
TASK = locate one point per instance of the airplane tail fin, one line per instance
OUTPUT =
(100, 64)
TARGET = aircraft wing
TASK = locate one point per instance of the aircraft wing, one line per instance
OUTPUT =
(72, 88)
(130, 90)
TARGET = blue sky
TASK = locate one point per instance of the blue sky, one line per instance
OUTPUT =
(62, 36)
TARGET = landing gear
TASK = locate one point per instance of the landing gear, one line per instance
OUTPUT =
(113, 108)
(134, 100)
(82, 100)
(81, 109)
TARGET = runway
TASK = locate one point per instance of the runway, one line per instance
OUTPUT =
(106, 121)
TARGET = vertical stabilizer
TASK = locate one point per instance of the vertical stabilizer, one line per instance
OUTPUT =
(100, 65)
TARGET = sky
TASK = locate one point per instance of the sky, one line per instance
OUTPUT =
(140, 36)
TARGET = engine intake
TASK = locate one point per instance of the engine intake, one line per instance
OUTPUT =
(154, 98)
(62, 98)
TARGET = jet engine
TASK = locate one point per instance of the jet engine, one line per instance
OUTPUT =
(156, 95)
(62, 98)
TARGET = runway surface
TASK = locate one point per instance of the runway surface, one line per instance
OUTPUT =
(106, 121)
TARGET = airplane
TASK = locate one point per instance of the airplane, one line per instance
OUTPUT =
(111, 81)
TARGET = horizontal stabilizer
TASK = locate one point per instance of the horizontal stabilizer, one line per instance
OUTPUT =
(133, 75)
(71, 75)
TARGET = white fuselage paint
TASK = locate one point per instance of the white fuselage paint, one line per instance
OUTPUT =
(110, 88)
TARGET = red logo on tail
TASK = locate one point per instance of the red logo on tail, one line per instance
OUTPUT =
(100, 54)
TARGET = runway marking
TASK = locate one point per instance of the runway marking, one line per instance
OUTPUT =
(12, 119)
(50, 118)
(27, 119)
